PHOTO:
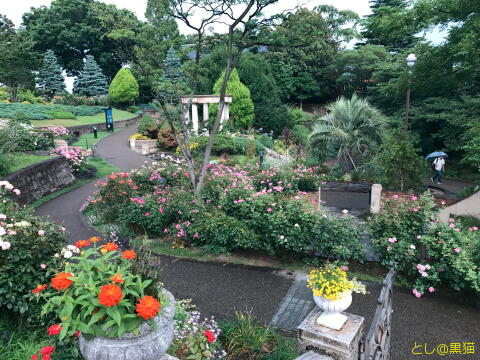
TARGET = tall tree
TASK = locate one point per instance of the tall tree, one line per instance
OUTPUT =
(91, 81)
(50, 78)
(76, 28)
(352, 127)
(17, 59)
(391, 24)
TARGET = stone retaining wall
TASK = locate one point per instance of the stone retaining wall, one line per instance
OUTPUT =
(38, 180)
(87, 129)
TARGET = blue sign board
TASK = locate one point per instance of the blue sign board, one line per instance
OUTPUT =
(108, 116)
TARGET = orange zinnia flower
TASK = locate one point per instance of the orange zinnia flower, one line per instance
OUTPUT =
(110, 295)
(94, 239)
(61, 281)
(117, 278)
(82, 243)
(110, 247)
(129, 254)
(39, 288)
(147, 307)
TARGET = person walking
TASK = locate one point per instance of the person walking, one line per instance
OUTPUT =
(438, 166)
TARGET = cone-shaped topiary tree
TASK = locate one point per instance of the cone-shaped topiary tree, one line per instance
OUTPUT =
(241, 108)
(91, 81)
(50, 78)
(124, 87)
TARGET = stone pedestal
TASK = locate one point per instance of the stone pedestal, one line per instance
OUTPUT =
(340, 345)
(375, 199)
(59, 143)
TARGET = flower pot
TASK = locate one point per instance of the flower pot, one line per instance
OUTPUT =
(331, 316)
(149, 344)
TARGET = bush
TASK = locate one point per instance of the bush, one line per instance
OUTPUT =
(17, 136)
(42, 112)
(28, 246)
(428, 253)
(123, 88)
(223, 144)
(74, 157)
(147, 125)
(166, 140)
(73, 100)
(5, 163)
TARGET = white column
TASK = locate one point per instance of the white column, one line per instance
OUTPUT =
(376, 198)
(205, 112)
(226, 112)
(195, 118)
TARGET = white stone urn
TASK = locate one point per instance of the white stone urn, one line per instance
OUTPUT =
(331, 316)
(147, 345)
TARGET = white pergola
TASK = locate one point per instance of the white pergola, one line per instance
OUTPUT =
(194, 100)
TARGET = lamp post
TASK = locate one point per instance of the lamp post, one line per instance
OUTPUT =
(410, 63)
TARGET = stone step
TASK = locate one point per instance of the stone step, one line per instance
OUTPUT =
(311, 355)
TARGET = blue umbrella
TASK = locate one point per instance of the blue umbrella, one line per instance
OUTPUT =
(436, 154)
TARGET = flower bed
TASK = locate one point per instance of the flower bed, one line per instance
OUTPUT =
(241, 208)
(428, 252)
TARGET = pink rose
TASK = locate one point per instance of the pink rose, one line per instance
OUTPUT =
(269, 210)
(395, 196)
(43, 266)
(414, 198)
(419, 236)
(457, 250)
(41, 233)
(344, 268)
(431, 289)
(392, 240)
(147, 214)
(457, 230)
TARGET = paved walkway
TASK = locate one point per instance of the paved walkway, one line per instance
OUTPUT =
(221, 289)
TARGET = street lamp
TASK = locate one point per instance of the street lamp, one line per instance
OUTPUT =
(411, 59)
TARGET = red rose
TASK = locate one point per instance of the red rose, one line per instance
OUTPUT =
(77, 333)
(35, 357)
(54, 329)
(209, 335)
(46, 357)
(47, 350)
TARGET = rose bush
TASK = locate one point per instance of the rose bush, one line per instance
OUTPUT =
(27, 248)
(241, 208)
(73, 155)
(427, 252)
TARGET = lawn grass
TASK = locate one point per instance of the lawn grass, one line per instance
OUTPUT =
(103, 169)
(21, 161)
(86, 141)
(84, 120)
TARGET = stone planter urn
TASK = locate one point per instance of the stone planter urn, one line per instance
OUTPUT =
(149, 344)
(331, 316)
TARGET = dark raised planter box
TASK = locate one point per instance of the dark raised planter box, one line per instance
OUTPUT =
(38, 180)
(347, 187)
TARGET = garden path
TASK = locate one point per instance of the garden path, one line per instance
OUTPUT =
(221, 289)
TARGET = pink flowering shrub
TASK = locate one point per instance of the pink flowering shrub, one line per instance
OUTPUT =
(239, 210)
(429, 253)
(26, 258)
(73, 155)
(59, 131)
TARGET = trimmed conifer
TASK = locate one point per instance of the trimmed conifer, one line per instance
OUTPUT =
(124, 87)
(91, 81)
(50, 78)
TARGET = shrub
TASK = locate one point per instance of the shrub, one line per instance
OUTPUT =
(5, 163)
(73, 100)
(42, 112)
(166, 140)
(428, 253)
(147, 125)
(123, 88)
(223, 144)
(74, 157)
(27, 248)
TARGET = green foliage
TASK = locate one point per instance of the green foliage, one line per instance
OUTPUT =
(173, 84)
(223, 144)
(399, 162)
(50, 78)
(91, 81)
(62, 115)
(429, 254)
(241, 108)
(20, 270)
(19, 136)
(123, 88)
(6, 163)
(245, 337)
(352, 127)
(147, 124)
(41, 112)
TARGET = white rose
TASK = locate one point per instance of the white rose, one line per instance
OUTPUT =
(282, 237)
(5, 245)
(9, 186)
(68, 254)
(296, 225)
(2, 231)
(412, 247)
(345, 211)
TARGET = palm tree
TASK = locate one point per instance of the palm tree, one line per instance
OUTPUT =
(352, 127)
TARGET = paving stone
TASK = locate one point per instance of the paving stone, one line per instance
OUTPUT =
(295, 306)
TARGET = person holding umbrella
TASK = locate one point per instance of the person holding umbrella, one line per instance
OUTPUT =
(438, 165)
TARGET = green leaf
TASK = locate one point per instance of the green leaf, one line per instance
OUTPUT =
(114, 314)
